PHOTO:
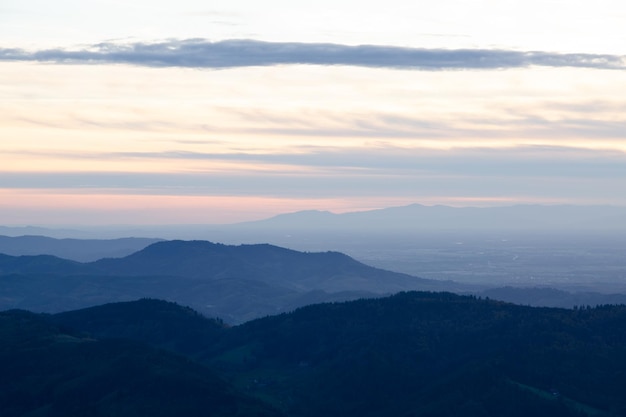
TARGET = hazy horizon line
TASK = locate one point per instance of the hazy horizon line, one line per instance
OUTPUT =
(62, 226)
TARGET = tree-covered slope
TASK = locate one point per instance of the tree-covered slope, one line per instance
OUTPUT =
(412, 354)
(433, 354)
(160, 323)
(47, 371)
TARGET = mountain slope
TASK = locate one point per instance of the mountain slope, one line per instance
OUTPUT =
(434, 354)
(50, 372)
(159, 323)
(40, 264)
(236, 283)
(419, 354)
(329, 271)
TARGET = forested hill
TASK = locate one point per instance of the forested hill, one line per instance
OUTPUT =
(206, 260)
(160, 323)
(237, 283)
(330, 271)
(49, 371)
(415, 354)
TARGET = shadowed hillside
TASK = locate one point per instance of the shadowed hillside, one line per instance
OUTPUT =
(413, 354)
(159, 323)
(47, 371)
(237, 283)
(330, 271)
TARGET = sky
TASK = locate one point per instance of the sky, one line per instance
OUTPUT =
(196, 112)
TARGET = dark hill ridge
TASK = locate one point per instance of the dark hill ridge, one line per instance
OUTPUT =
(157, 322)
(47, 371)
(441, 354)
(414, 354)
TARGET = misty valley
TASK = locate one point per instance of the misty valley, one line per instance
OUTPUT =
(326, 317)
(576, 262)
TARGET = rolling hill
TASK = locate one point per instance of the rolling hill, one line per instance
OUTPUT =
(237, 283)
(411, 354)
(54, 372)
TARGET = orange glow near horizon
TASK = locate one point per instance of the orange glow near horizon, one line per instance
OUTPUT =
(63, 207)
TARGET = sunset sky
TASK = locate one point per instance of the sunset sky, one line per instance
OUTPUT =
(190, 111)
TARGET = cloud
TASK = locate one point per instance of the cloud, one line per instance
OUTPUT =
(531, 173)
(311, 163)
(199, 53)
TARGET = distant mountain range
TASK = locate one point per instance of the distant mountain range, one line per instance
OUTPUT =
(389, 221)
(444, 218)
(577, 248)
